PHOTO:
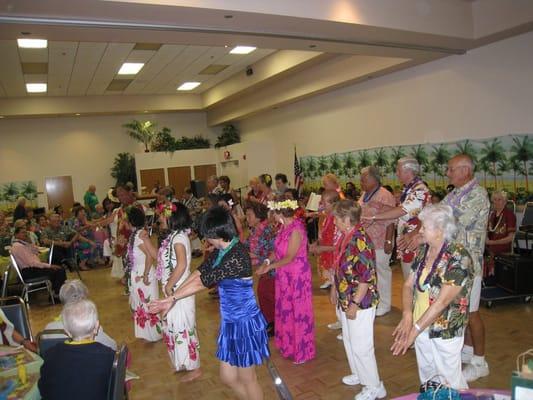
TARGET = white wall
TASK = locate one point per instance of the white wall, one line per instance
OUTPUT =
(83, 147)
(484, 93)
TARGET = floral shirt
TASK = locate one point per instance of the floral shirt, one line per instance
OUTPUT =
(260, 243)
(381, 201)
(357, 264)
(63, 234)
(414, 198)
(454, 268)
(471, 206)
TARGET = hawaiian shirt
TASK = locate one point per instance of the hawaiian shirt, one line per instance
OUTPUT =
(415, 197)
(454, 268)
(471, 207)
(63, 233)
(381, 201)
(357, 264)
(260, 243)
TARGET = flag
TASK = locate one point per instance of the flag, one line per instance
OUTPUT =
(298, 174)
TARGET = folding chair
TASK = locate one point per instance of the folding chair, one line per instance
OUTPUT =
(74, 265)
(17, 314)
(117, 381)
(524, 234)
(49, 338)
(33, 284)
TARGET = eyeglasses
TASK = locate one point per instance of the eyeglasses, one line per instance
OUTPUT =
(451, 169)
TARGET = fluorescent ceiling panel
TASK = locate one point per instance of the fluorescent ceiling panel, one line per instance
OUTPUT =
(242, 50)
(130, 68)
(36, 87)
(189, 85)
(32, 43)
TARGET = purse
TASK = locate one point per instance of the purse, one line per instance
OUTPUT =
(432, 390)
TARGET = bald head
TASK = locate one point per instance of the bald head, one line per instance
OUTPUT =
(460, 170)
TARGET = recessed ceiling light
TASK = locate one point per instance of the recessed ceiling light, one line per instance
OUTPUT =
(130, 68)
(32, 43)
(77, 114)
(1, 116)
(36, 87)
(242, 50)
(188, 86)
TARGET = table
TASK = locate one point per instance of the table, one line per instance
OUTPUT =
(32, 363)
(475, 391)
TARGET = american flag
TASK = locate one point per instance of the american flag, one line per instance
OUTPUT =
(298, 174)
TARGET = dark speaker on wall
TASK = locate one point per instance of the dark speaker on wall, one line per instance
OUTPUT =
(198, 188)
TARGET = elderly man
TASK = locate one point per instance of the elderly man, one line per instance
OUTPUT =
(374, 200)
(471, 207)
(62, 237)
(26, 256)
(415, 196)
(79, 369)
(213, 186)
(90, 200)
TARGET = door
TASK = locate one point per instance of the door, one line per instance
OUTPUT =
(202, 172)
(151, 177)
(179, 178)
(59, 191)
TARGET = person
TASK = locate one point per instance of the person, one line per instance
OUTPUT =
(260, 243)
(374, 200)
(191, 202)
(281, 185)
(255, 193)
(435, 300)
(265, 188)
(107, 246)
(72, 291)
(140, 256)
(225, 182)
(26, 256)
(294, 319)
(226, 200)
(173, 268)
(213, 186)
(331, 182)
(500, 231)
(9, 336)
(415, 196)
(79, 369)
(20, 209)
(351, 191)
(242, 340)
(90, 200)
(470, 205)
(356, 296)
(85, 246)
(62, 237)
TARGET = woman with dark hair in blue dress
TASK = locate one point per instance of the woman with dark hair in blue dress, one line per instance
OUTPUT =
(242, 340)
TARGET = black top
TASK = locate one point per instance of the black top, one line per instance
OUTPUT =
(76, 371)
(236, 263)
(19, 213)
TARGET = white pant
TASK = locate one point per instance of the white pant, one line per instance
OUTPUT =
(384, 274)
(406, 269)
(475, 294)
(440, 360)
(358, 338)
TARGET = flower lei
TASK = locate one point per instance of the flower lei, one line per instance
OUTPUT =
(160, 256)
(431, 271)
(130, 259)
(280, 205)
(166, 209)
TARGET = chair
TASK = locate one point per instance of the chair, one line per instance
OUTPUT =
(49, 338)
(74, 265)
(117, 381)
(525, 231)
(17, 314)
(33, 284)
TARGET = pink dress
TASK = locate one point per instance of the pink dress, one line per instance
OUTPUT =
(294, 320)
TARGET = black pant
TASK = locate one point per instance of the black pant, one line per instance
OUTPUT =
(56, 276)
(60, 254)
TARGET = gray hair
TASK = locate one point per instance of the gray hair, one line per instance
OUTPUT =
(73, 290)
(502, 193)
(213, 178)
(80, 319)
(409, 163)
(440, 216)
(373, 172)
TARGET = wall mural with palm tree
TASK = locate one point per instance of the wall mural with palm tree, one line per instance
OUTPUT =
(11, 191)
(503, 162)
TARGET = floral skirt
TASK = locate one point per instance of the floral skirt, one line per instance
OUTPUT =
(147, 326)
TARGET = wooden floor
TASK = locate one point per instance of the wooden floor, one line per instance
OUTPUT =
(509, 329)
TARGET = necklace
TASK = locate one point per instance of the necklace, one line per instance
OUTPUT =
(431, 271)
(343, 244)
(454, 198)
(493, 228)
(368, 196)
(408, 188)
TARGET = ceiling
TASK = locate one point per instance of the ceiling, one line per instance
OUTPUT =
(304, 47)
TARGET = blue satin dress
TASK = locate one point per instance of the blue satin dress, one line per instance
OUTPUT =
(242, 340)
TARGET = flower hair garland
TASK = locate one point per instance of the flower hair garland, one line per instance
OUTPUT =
(280, 205)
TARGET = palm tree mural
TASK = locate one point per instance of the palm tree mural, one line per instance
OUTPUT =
(349, 165)
(440, 157)
(28, 190)
(10, 191)
(523, 152)
(516, 166)
(323, 165)
(380, 160)
(335, 164)
(396, 154)
(502, 167)
(467, 148)
(484, 167)
(420, 155)
(364, 160)
(492, 152)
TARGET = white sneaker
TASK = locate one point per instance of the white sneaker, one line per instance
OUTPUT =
(466, 357)
(351, 380)
(381, 312)
(335, 326)
(473, 372)
(325, 285)
(339, 336)
(372, 393)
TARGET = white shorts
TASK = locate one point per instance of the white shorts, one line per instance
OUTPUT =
(475, 294)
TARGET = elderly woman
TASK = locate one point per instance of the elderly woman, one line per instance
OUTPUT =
(70, 292)
(79, 369)
(500, 231)
(255, 193)
(356, 296)
(294, 319)
(260, 244)
(265, 187)
(9, 336)
(242, 340)
(435, 301)
(86, 245)
(331, 182)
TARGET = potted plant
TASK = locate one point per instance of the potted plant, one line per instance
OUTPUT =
(123, 169)
(230, 135)
(143, 132)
